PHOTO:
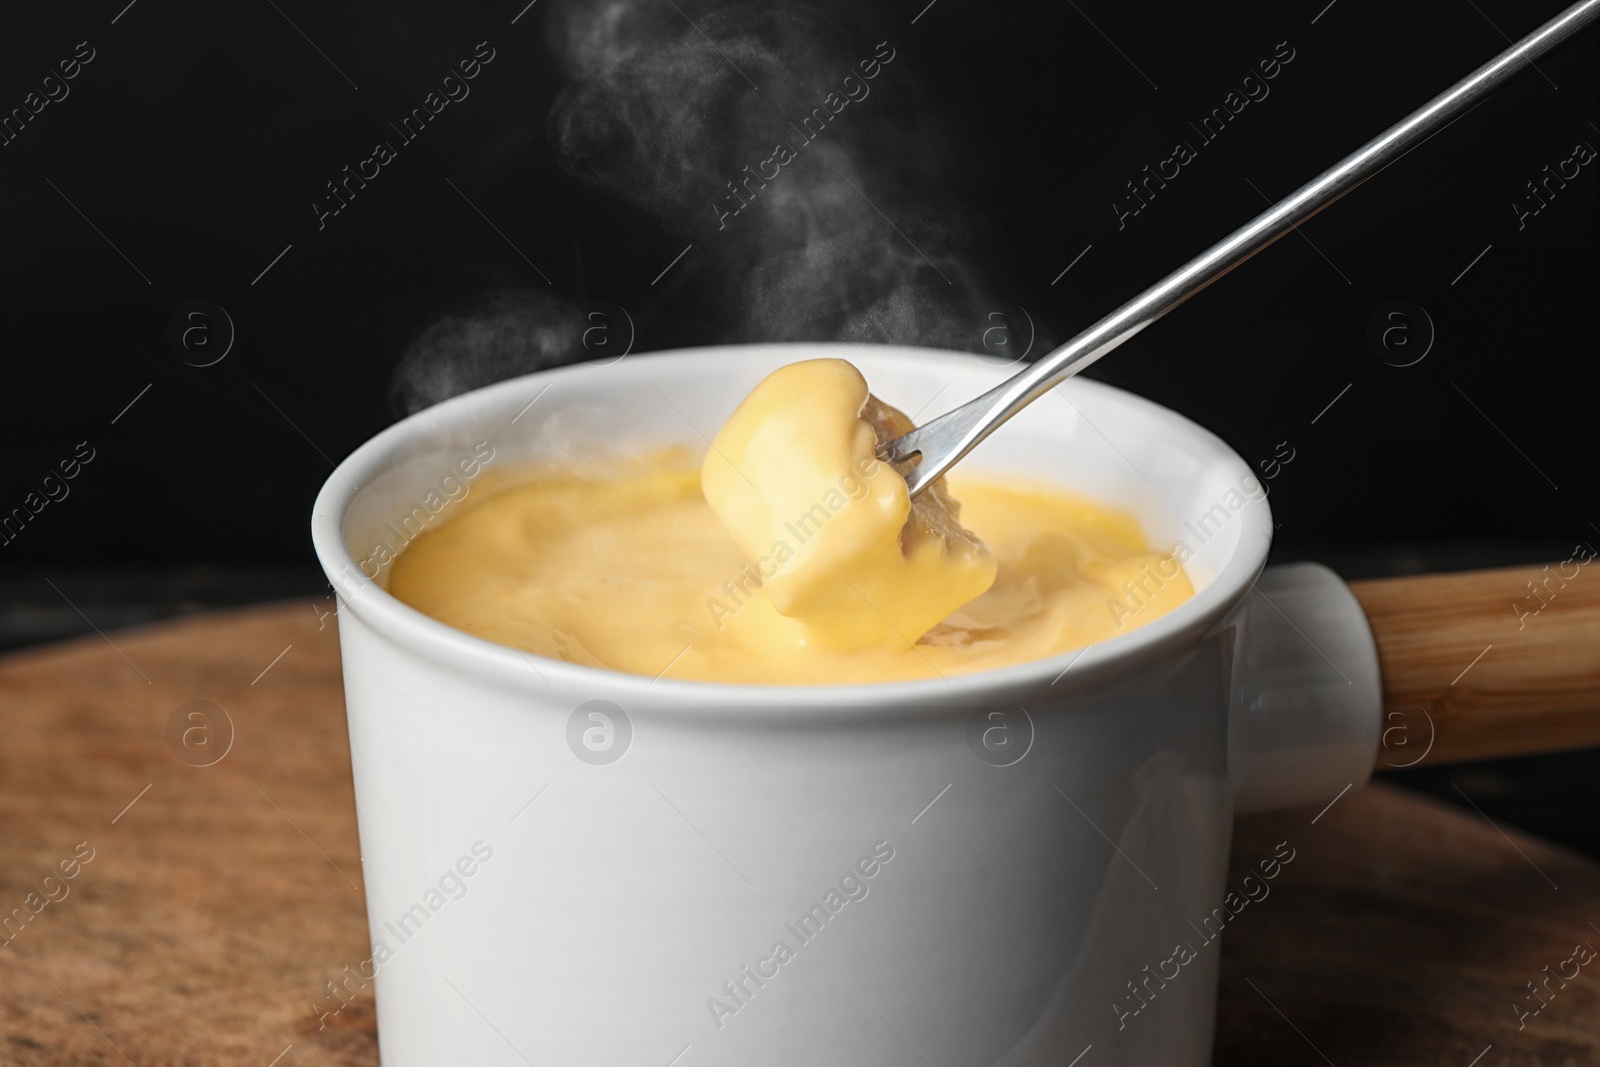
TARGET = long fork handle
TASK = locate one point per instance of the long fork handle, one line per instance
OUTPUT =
(944, 440)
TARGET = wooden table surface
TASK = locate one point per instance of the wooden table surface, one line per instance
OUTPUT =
(218, 900)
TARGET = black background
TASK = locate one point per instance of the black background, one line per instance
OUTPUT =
(997, 140)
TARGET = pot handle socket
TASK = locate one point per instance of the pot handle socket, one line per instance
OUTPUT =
(1307, 695)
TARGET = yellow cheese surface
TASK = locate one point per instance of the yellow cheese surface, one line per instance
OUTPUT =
(817, 578)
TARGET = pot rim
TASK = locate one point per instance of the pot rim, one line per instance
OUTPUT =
(1080, 669)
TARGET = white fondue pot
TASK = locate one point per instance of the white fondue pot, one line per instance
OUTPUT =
(570, 866)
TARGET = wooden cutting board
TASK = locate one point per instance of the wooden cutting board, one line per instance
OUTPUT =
(219, 899)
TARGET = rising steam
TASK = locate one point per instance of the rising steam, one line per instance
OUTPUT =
(687, 123)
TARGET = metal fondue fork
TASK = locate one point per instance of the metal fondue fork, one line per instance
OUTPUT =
(934, 447)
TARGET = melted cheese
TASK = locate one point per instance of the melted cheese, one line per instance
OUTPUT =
(809, 564)
(794, 476)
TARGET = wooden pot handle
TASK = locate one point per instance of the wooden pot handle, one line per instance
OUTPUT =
(1487, 663)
